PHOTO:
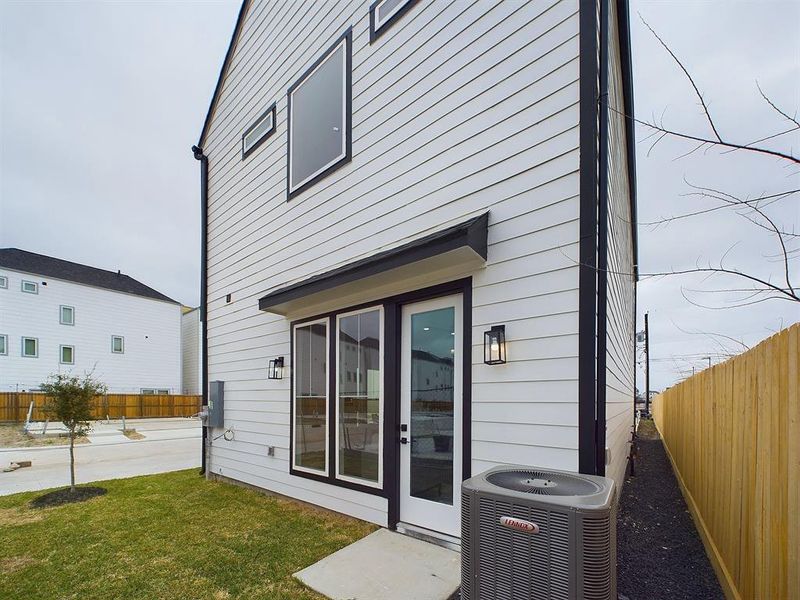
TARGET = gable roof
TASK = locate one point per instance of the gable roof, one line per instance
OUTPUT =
(39, 264)
(225, 65)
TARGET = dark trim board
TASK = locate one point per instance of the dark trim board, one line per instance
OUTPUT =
(587, 293)
(263, 138)
(348, 84)
(392, 307)
(472, 233)
(375, 34)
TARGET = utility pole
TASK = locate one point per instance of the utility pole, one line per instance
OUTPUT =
(646, 364)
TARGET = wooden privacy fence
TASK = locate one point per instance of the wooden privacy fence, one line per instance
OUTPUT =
(733, 435)
(14, 406)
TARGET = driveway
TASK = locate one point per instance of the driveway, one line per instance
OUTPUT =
(169, 445)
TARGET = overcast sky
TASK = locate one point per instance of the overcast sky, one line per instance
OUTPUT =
(100, 103)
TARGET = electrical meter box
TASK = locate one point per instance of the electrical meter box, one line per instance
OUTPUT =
(216, 404)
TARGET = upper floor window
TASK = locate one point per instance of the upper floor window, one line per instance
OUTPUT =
(258, 132)
(67, 315)
(3, 345)
(117, 344)
(30, 287)
(30, 347)
(383, 13)
(3, 282)
(319, 115)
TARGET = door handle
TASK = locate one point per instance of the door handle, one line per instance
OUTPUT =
(403, 440)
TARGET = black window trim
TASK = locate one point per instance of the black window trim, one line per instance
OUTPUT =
(271, 110)
(390, 484)
(347, 36)
(374, 33)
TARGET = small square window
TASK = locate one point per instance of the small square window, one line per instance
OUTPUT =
(30, 347)
(117, 344)
(30, 287)
(67, 316)
(163, 391)
(3, 345)
(3, 282)
(258, 132)
(147, 391)
(67, 355)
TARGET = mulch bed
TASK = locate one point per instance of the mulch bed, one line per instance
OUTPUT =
(65, 496)
(659, 552)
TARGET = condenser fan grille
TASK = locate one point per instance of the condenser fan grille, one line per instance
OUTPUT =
(543, 483)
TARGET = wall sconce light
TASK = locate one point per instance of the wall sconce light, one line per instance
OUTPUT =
(275, 370)
(494, 345)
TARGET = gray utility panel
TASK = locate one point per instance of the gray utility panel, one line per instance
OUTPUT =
(216, 404)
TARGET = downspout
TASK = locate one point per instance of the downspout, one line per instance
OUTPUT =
(198, 154)
(602, 245)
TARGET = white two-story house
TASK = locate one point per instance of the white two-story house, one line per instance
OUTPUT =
(419, 249)
(61, 316)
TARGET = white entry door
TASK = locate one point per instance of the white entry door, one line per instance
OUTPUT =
(431, 414)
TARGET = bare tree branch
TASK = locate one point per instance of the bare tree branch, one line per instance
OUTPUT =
(778, 110)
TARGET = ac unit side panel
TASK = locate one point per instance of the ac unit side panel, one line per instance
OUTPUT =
(596, 552)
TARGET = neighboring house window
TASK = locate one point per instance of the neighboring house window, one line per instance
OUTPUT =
(67, 355)
(30, 347)
(384, 13)
(162, 391)
(30, 287)
(3, 345)
(117, 344)
(67, 316)
(147, 391)
(359, 402)
(310, 398)
(3, 282)
(258, 132)
(319, 116)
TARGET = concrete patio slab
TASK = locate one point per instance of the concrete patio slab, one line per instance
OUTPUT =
(386, 566)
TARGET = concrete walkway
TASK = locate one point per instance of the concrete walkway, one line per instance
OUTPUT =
(386, 566)
(169, 445)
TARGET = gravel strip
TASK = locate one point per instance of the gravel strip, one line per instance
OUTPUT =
(659, 552)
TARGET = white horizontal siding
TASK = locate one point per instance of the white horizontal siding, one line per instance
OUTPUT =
(460, 108)
(191, 351)
(621, 319)
(151, 329)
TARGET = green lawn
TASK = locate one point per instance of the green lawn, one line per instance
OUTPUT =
(173, 536)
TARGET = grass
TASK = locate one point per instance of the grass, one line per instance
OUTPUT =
(167, 536)
(12, 435)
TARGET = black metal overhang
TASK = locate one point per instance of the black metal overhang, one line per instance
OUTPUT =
(459, 246)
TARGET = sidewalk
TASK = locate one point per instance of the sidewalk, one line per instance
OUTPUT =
(659, 552)
(169, 445)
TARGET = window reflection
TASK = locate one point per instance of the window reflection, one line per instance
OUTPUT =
(432, 394)
(359, 394)
(311, 373)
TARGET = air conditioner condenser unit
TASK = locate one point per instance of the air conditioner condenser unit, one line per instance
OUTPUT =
(529, 533)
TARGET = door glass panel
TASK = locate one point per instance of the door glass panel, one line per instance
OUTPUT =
(432, 393)
(311, 393)
(359, 368)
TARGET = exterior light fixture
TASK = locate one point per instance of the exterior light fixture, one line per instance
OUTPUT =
(275, 370)
(494, 345)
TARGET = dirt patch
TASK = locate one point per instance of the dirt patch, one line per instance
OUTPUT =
(66, 496)
(11, 517)
(15, 563)
(132, 434)
(659, 553)
(12, 435)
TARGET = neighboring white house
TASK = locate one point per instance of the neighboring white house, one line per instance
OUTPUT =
(384, 184)
(191, 351)
(61, 316)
